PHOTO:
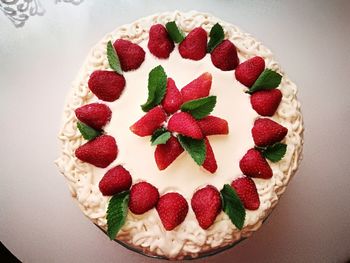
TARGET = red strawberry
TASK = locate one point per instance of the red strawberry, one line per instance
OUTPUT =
(246, 190)
(106, 85)
(209, 162)
(130, 55)
(116, 180)
(249, 71)
(212, 125)
(160, 44)
(172, 209)
(166, 153)
(266, 132)
(194, 46)
(149, 122)
(100, 152)
(224, 56)
(172, 99)
(206, 205)
(198, 88)
(95, 115)
(143, 197)
(265, 102)
(185, 124)
(253, 164)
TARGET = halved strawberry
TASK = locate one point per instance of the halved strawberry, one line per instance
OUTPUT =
(194, 46)
(160, 44)
(253, 164)
(266, 132)
(198, 88)
(151, 121)
(265, 102)
(249, 71)
(131, 55)
(224, 56)
(100, 152)
(210, 161)
(143, 197)
(246, 190)
(116, 180)
(183, 123)
(172, 209)
(166, 153)
(212, 125)
(95, 115)
(172, 99)
(106, 85)
(206, 205)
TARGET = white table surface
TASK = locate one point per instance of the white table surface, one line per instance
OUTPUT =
(39, 222)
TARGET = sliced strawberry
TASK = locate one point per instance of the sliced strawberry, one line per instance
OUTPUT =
(194, 46)
(265, 102)
(224, 56)
(266, 132)
(151, 121)
(172, 209)
(246, 191)
(160, 44)
(95, 115)
(249, 71)
(183, 123)
(198, 88)
(131, 55)
(116, 180)
(143, 197)
(206, 205)
(253, 164)
(100, 152)
(172, 99)
(106, 85)
(166, 153)
(210, 161)
(212, 125)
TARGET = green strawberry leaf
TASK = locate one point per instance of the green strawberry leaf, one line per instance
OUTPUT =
(216, 35)
(233, 206)
(88, 132)
(113, 58)
(275, 152)
(162, 139)
(267, 80)
(157, 133)
(174, 32)
(200, 108)
(116, 213)
(157, 80)
(196, 148)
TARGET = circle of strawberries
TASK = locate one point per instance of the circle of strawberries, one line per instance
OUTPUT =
(173, 207)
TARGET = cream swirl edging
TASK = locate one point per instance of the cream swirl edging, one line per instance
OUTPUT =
(145, 232)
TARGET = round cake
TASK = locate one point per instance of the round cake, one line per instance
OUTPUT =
(180, 134)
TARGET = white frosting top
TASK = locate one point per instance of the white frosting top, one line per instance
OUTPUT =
(183, 175)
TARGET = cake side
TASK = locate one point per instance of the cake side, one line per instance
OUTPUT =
(146, 231)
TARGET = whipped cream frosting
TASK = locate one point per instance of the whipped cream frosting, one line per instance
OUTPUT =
(146, 231)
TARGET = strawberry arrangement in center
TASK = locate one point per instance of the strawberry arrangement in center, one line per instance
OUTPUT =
(179, 120)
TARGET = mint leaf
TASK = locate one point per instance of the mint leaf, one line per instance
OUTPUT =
(200, 108)
(216, 35)
(267, 80)
(116, 213)
(162, 139)
(233, 206)
(157, 80)
(275, 152)
(174, 32)
(196, 148)
(113, 58)
(157, 133)
(88, 132)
